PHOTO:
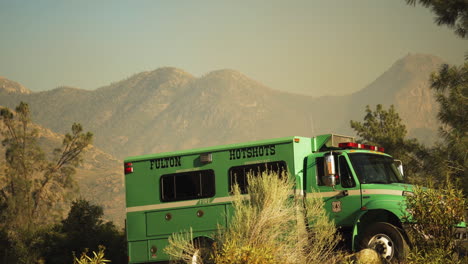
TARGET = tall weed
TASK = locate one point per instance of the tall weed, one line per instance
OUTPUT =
(98, 258)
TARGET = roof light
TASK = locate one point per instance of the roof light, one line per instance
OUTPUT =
(348, 145)
(370, 147)
(296, 140)
(206, 158)
(360, 146)
(128, 167)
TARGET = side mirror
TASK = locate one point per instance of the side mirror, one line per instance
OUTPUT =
(399, 166)
(329, 177)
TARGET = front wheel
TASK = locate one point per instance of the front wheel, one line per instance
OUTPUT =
(386, 239)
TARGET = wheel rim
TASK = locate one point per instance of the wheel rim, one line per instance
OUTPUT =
(196, 257)
(384, 245)
(201, 256)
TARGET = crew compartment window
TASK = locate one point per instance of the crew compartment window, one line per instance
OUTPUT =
(187, 185)
(239, 174)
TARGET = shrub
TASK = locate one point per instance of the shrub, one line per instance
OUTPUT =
(432, 216)
(268, 226)
(322, 237)
(181, 247)
(263, 228)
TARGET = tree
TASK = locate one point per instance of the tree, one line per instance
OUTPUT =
(23, 158)
(453, 13)
(449, 157)
(83, 229)
(451, 88)
(33, 186)
(385, 129)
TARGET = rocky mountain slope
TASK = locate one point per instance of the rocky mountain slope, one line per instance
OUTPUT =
(12, 87)
(169, 109)
(406, 85)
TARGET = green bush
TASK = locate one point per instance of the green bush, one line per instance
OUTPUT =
(432, 214)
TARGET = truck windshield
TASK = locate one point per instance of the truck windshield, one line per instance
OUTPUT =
(374, 168)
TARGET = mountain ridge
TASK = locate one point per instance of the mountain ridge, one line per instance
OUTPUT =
(414, 100)
(128, 116)
(10, 86)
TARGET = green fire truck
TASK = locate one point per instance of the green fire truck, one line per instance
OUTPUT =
(171, 192)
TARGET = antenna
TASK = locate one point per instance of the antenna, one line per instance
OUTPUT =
(312, 127)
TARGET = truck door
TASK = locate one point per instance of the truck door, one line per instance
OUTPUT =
(344, 200)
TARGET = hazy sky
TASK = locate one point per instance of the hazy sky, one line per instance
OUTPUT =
(314, 47)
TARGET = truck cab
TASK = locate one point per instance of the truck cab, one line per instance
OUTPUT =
(364, 192)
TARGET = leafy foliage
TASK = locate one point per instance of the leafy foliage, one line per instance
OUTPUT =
(432, 214)
(453, 13)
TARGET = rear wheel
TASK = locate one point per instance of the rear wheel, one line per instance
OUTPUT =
(386, 239)
(203, 251)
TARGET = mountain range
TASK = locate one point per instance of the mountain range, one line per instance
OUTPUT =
(169, 109)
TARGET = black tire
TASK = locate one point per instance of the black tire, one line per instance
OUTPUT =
(203, 252)
(386, 239)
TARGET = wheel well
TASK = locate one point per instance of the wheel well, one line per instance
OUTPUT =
(203, 240)
(373, 216)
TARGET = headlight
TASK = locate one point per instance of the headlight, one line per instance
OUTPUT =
(407, 193)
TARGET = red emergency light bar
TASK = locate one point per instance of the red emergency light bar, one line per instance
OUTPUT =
(128, 167)
(360, 146)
